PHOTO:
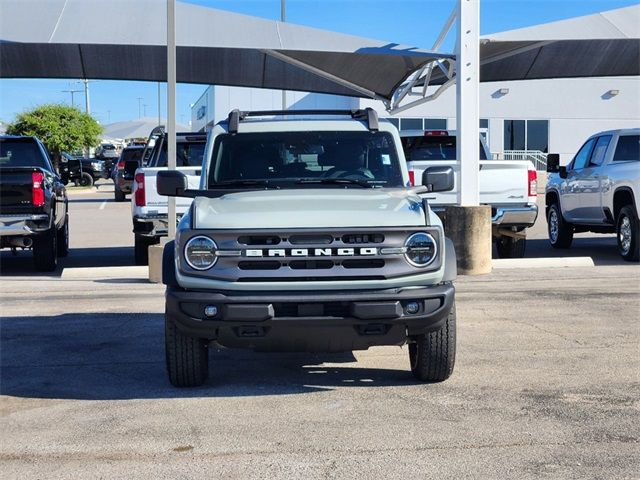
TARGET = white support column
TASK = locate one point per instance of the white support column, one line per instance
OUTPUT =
(171, 106)
(467, 100)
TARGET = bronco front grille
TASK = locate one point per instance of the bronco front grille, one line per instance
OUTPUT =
(301, 255)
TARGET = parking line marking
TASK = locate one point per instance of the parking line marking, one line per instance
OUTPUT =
(103, 204)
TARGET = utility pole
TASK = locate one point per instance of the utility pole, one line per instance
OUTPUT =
(144, 109)
(87, 103)
(71, 92)
(283, 18)
(140, 107)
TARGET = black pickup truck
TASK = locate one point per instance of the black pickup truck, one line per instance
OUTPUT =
(33, 202)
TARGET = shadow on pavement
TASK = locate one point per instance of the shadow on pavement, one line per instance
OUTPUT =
(602, 249)
(107, 356)
(21, 264)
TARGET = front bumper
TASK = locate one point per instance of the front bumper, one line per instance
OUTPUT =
(23, 225)
(302, 321)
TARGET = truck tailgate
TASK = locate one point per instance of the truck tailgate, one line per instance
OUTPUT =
(15, 190)
(159, 204)
(501, 182)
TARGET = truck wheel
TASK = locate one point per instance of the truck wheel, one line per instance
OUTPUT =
(141, 248)
(86, 180)
(433, 354)
(187, 357)
(510, 247)
(628, 233)
(45, 254)
(119, 195)
(63, 238)
(560, 232)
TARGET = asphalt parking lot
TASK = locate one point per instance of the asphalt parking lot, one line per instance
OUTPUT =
(546, 385)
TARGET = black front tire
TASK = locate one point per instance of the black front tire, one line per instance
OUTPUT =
(510, 247)
(45, 251)
(433, 355)
(86, 180)
(187, 357)
(560, 233)
(119, 195)
(628, 234)
(63, 238)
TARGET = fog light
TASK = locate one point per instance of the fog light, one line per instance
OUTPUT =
(210, 310)
(412, 308)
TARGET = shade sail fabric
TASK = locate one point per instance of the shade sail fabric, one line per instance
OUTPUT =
(60, 39)
(124, 40)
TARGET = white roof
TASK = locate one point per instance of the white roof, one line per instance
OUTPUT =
(612, 24)
(136, 128)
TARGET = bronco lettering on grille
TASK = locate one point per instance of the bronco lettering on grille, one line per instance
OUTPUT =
(310, 252)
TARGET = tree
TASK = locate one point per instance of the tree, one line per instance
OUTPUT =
(60, 127)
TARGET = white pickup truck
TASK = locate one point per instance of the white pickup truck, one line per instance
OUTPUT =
(510, 187)
(149, 210)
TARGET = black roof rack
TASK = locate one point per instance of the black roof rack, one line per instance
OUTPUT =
(369, 115)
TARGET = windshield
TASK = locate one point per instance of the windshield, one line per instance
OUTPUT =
(188, 154)
(433, 148)
(334, 158)
(131, 154)
(20, 153)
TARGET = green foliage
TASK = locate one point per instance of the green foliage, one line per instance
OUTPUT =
(60, 127)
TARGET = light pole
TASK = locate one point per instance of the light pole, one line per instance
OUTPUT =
(144, 109)
(159, 106)
(87, 103)
(140, 107)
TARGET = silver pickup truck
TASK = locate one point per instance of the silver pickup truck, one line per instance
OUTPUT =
(598, 191)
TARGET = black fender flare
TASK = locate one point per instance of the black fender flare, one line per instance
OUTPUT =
(450, 264)
(168, 265)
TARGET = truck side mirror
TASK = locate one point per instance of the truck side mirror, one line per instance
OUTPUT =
(171, 183)
(438, 179)
(553, 162)
(562, 171)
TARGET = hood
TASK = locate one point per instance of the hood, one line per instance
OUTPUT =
(310, 208)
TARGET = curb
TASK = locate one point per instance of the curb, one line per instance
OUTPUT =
(94, 273)
(545, 262)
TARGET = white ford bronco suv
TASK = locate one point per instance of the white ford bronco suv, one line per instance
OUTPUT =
(305, 235)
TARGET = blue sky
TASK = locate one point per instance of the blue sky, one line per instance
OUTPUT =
(410, 22)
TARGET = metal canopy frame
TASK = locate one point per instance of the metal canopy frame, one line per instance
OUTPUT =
(418, 83)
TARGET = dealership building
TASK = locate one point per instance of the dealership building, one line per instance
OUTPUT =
(528, 117)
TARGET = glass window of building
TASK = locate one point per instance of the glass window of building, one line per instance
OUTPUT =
(395, 122)
(411, 124)
(538, 135)
(484, 123)
(435, 123)
(514, 135)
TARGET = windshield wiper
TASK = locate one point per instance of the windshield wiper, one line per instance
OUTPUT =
(334, 181)
(243, 183)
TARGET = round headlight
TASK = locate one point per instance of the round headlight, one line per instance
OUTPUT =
(421, 249)
(200, 253)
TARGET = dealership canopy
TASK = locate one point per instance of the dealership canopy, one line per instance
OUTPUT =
(118, 40)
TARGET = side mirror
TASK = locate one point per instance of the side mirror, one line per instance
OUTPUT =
(553, 163)
(562, 171)
(171, 183)
(438, 179)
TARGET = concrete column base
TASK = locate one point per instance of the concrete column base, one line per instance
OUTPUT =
(155, 261)
(469, 228)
